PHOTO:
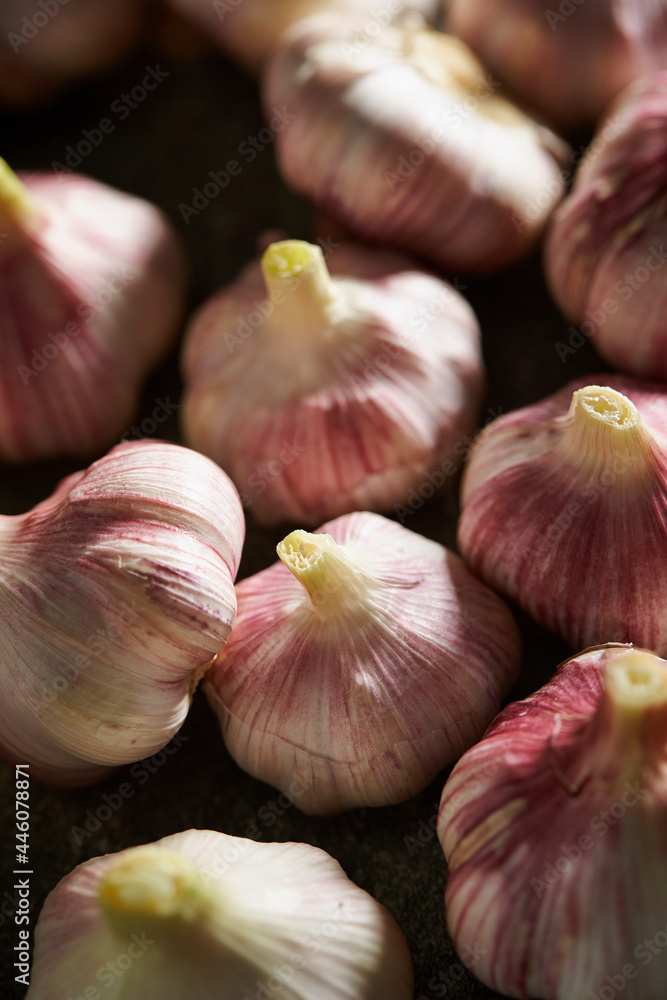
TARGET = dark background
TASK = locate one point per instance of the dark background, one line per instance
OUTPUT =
(192, 124)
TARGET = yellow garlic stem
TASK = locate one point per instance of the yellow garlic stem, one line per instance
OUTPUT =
(606, 430)
(153, 889)
(636, 681)
(336, 585)
(16, 205)
(633, 712)
(299, 287)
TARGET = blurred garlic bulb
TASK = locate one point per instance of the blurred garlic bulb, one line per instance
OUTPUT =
(554, 832)
(45, 43)
(565, 511)
(606, 252)
(91, 290)
(362, 666)
(321, 395)
(115, 594)
(565, 59)
(405, 140)
(251, 29)
(204, 916)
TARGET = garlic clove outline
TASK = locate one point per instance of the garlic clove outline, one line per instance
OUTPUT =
(563, 511)
(564, 60)
(604, 254)
(92, 288)
(360, 667)
(553, 829)
(116, 593)
(324, 392)
(201, 914)
(407, 140)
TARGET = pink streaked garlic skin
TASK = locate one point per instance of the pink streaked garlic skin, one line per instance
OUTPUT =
(553, 827)
(272, 906)
(362, 708)
(110, 265)
(570, 524)
(250, 30)
(117, 590)
(407, 141)
(330, 423)
(44, 46)
(567, 66)
(606, 252)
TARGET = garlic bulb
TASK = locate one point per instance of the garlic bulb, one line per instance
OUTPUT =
(406, 140)
(115, 594)
(605, 253)
(44, 43)
(204, 916)
(323, 395)
(91, 288)
(251, 29)
(554, 832)
(360, 667)
(565, 58)
(565, 508)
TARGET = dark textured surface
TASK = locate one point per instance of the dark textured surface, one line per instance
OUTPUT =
(192, 124)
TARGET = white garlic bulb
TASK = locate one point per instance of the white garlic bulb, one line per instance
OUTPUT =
(554, 831)
(362, 666)
(566, 58)
(605, 252)
(92, 285)
(564, 508)
(406, 140)
(323, 394)
(116, 593)
(204, 916)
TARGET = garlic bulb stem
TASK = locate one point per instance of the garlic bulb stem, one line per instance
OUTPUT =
(299, 286)
(605, 424)
(16, 205)
(636, 681)
(335, 584)
(153, 888)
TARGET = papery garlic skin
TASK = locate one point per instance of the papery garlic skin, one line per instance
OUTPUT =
(564, 510)
(554, 831)
(324, 393)
(362, 666)
(91, 292)
(566, 61)
(251, 29)
(406, 140)
(211, 916)
(45, 45)
(116, 593)
(605, 253)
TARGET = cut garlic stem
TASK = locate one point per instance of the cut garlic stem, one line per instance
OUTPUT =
(16, 205)
(636, 681)
(335, 584)
(155, 891)
(606, 423)
(299, 286)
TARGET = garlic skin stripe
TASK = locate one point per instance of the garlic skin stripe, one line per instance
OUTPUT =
(43, 46)
(605, 254)
(250, 30)
(553, 827)
(115, 593)
(91, 292)
(407, 141)
(202, 915)
(323, 392)
(360, 667)
(568, 61)
(564, 510)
